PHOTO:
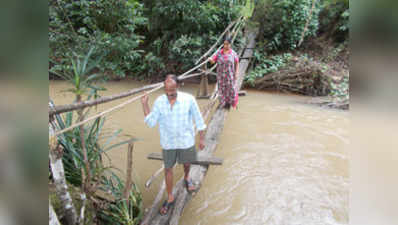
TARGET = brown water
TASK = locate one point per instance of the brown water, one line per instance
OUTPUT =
(285, 162)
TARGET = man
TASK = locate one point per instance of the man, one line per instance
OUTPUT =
(175, 112)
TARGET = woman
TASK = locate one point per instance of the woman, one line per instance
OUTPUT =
(227, 71)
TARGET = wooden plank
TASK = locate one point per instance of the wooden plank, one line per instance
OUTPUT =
(201, 160)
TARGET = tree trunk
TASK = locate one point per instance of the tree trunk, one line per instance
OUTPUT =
(52, 217)
(307, 23)
(57, 169)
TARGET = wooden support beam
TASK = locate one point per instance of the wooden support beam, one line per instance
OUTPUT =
(201, 160)
(203, 91)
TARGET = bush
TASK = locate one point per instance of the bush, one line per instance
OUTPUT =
(282, 22)
(264, 65)
(334, 19)
(144, 38)
(180, 31)
(108, 25)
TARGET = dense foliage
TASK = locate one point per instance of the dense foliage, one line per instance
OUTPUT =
(137, 38)
(108, 25)
(334, 19)
(283, 23)
(264, 64)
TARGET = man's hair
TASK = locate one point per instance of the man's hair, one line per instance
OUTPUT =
(172, 77)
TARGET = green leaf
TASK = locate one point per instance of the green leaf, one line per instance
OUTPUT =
(121, 143)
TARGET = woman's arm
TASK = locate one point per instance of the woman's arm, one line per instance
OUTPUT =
(236, 67)
(213, 59)
(236, 71)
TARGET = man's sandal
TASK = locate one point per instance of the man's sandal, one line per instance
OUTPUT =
(165, 207)
(188, 183)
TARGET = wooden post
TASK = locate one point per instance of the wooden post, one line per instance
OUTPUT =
(204, 84)
(128, 184)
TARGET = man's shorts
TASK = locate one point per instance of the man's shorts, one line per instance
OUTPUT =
(170, 156)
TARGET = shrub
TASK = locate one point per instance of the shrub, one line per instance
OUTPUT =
(283, 22)
(108, 25)
(265, 64)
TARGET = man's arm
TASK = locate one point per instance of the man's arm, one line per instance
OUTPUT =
(145, 106)
(201, 139)
(200, 125)
(151, 118)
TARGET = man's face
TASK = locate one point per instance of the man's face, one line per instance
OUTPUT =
(170, 89)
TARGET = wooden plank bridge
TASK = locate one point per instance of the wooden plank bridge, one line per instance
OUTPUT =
(214, 128)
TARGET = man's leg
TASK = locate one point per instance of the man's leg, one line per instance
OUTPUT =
(169, 158)
(169, 183)
(186, 156)
(187, 167)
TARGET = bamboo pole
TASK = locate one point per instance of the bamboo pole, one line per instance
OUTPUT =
(107, 111)
(78, 105)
